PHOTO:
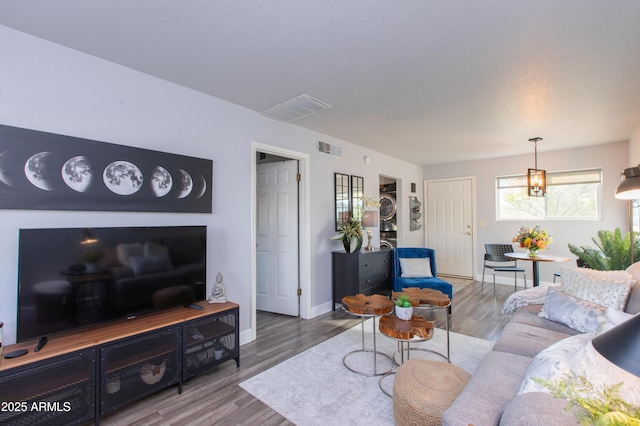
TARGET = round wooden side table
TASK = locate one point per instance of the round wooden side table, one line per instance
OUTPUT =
(366, 307)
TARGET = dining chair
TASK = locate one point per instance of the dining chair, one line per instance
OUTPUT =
(495, 260)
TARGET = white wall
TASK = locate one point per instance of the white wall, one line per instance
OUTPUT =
(46, 87)
(612, 158)
(634, 148)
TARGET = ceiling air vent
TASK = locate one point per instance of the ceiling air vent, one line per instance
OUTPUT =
(295, 109)
(329, 149)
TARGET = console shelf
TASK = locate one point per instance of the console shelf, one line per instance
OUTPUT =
(79, 376)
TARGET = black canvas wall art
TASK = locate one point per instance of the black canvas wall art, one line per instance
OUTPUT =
(46, 171)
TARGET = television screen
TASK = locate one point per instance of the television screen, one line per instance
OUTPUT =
(75, 277)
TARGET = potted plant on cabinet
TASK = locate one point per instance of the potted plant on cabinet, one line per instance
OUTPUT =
(404, 310)
(351, 235)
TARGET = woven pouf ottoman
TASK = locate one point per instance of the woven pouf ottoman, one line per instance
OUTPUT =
(423, 390)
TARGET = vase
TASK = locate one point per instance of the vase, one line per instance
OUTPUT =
(404, 313)
(352, 245)
(533, 252)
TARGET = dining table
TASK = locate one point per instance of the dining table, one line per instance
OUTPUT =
(535, 260)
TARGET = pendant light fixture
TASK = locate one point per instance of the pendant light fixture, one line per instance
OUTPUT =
(536, 178)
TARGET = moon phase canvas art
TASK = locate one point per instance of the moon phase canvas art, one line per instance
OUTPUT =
(77, 173)
(161, 181)
(122, 177)
(185, 183)
(36, 170)
(46, 171)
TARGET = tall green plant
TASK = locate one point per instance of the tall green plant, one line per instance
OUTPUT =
(613, 252)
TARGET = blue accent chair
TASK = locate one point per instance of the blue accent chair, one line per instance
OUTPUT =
(400, 282)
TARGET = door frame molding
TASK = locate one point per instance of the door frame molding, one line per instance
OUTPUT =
(304, 235)
(474, 252)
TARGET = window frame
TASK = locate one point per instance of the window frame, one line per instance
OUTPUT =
(550, 178)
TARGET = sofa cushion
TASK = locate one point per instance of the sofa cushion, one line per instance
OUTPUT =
(576, 313)
(552, 363)
(526, 340)
(491, 388)
(529, 315)
(606, 288)
(537, 409)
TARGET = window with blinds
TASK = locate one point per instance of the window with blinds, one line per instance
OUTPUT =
(574, 195)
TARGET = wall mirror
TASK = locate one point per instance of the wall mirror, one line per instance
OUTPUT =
(341, 185)
(357, 197)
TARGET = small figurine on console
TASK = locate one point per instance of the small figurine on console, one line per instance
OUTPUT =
(218, 292)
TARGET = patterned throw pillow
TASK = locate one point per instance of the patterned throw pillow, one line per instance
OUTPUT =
(553, 362)
(606, 288)
(565, 309)
(602, 372)
(577, 354)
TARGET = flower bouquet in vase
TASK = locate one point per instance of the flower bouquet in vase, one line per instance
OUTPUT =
(532, 239)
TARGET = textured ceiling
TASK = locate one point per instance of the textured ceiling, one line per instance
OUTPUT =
(424, 80)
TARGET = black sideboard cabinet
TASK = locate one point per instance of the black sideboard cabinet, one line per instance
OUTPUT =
(94, 371)
(365, 272)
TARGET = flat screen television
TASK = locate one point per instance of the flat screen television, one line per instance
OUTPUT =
(77, 277)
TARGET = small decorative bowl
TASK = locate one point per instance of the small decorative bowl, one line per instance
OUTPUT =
(152, 374)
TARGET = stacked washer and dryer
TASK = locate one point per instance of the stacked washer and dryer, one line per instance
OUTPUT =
(388, 222)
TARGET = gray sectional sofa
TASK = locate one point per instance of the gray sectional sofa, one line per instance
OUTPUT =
(491, 396)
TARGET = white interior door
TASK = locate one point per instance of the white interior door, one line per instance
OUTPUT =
(450, 225)
(277, 259)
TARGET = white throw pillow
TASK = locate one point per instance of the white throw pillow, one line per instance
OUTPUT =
(601, 372)
(606, 288)
(553, 362)
(565, 309)
(611, 318)
(418, 267)
(577, 354)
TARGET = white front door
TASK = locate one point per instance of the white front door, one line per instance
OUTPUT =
(277, 238)
(450, 225)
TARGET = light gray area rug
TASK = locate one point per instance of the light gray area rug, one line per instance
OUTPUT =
(315, 388)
